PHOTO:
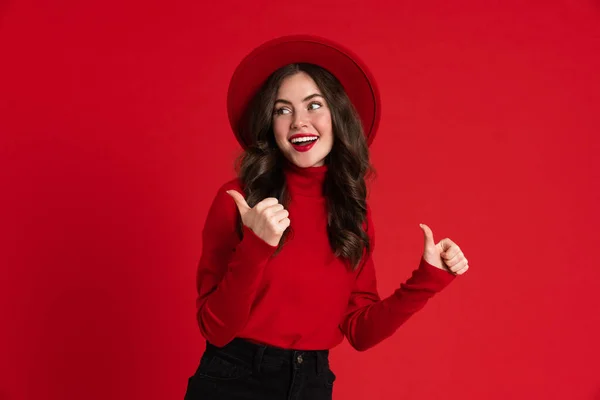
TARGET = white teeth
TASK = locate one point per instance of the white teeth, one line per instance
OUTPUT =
(303, 139)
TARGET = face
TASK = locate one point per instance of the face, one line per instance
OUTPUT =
(302, 121)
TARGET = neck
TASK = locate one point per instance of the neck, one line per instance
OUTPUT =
(305, 181)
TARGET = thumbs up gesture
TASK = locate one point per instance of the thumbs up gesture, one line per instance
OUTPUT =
(268, 219)
(445, 255)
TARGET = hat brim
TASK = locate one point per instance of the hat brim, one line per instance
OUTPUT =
(256, 67)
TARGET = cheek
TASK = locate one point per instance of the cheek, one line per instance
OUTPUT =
(323, 124)
(279, 131)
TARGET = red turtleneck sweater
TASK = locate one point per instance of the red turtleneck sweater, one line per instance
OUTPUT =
(304, 297)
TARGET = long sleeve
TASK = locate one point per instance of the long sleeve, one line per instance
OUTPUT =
(368, 319)
(229, 272)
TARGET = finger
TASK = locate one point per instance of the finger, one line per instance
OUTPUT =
(284, 223)
(266, 203)
(280, 226)
(273, 209)
(463, 270)
(239, 201)
(428, 235)
(451, 252)
(279, 215)
(446, 244)
(458, 266)
(455, 260)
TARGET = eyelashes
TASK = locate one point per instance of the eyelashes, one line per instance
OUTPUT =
(281, 110)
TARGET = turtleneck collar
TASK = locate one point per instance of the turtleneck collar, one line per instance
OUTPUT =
(305, 181)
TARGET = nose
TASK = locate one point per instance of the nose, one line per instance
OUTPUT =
(299, 119)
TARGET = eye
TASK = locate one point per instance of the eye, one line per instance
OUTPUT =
(282, 111)
(314, 103)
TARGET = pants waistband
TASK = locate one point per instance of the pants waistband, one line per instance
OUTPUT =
(255, 354)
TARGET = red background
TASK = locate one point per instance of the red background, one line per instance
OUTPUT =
(114, 139)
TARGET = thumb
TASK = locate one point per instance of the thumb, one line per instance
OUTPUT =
(428, 236)
(240, 202)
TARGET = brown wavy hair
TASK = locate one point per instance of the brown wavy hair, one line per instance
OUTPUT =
(260, 166)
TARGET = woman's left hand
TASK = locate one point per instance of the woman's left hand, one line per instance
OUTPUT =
(445, 255)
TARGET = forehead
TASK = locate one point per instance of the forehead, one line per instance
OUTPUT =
(300, 84)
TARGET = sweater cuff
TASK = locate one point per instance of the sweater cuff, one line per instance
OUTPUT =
(253, 249)
(439, 278)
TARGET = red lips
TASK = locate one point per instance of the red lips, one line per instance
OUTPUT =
(306, 147)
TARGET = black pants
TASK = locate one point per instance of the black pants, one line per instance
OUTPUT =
(242, 370)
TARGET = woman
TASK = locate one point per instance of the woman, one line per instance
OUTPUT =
(286, 270)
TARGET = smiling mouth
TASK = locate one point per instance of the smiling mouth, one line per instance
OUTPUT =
(305, 141)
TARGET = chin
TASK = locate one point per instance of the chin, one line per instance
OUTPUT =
(308, 162)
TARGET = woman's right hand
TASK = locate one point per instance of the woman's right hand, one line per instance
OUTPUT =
(268, 219)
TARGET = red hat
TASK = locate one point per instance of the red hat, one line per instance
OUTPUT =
(352, 73)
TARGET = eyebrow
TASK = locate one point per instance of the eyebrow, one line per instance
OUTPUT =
(305, 99)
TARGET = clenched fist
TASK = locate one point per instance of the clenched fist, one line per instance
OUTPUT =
(445, 255)
(268, 219)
